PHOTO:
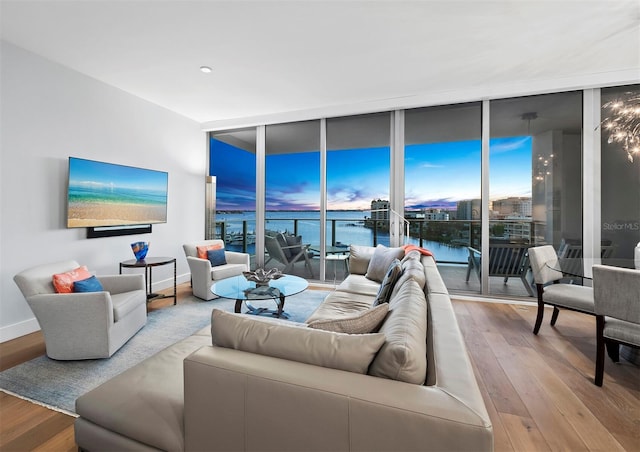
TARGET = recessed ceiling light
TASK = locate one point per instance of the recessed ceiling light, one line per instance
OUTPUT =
(206, 69)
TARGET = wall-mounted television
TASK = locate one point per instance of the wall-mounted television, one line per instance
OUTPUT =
(105, 194)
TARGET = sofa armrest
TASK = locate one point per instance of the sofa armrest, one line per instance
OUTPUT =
(122, 283)
(255, 398)
(233, 257)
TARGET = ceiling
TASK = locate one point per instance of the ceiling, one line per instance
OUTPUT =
(287, 57)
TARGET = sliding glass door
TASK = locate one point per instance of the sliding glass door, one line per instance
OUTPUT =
(292, 197)
(442, 170)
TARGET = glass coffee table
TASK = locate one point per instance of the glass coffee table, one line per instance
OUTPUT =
(240, 289)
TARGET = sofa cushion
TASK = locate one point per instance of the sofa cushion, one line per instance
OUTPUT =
(351, 352)
(339, 304)
(389, 281)
(359, 257)
(361, 323)
(146, 402)
(381, 260)
(227, 271)
(359, 284)
(125, 302)
(403, 356)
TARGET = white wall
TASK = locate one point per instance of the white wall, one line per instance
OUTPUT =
(50, 112)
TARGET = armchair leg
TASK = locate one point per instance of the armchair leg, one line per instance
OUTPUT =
(554, 316)
(613, 350)
(468, 270)
(540, 315)
(599, 350)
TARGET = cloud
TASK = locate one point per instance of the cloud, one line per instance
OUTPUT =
(500, 146)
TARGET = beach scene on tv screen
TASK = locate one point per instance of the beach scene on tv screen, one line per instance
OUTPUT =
(105, 194)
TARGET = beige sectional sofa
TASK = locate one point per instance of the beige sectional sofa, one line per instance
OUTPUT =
(274, 385)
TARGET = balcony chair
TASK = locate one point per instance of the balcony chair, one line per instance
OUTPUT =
(546, 269)
(616, 293)
(570, 255)
(287, 250)
(87, 325)
(203, 274)
(506, 260)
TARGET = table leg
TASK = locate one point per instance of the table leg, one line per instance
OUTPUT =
(281, 305)
(175, 280)
(149, 281)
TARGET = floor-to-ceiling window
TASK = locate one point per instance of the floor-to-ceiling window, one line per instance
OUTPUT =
(466, 192)
(535, 183)
(357, 168)
(232, 159)
(620, 175)
(442, 172)
(292, 197)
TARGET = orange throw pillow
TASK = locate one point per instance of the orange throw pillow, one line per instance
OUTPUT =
(422, 251)
(63, 282)
(202, 250)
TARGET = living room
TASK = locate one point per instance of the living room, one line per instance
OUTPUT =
(51, 111)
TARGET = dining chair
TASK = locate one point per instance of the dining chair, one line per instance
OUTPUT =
(616, 293)
(547, 273)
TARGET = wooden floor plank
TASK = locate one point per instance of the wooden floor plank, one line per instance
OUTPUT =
(558, 433)
(591, 431)
(523, 433)
(64, 441)
(498, 386)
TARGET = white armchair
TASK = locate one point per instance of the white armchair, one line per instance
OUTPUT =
(203, 274)
(84, 325)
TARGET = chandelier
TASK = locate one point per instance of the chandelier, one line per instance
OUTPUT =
(623, 123)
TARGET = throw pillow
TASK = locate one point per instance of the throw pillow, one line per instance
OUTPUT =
(202, 249)
(389, 281)
(63, 282)
(294, 241)
(350, 352)
(282, 241)
(216, 257)
(364, 322)
(88, 285)
(380, 261)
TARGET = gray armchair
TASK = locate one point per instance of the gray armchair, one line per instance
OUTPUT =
(617, 304)
(546, 269)
(203, 274)
(84, 325)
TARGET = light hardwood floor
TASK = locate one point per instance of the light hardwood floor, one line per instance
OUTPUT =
(538, 390)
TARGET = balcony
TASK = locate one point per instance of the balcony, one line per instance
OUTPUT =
(448, 240)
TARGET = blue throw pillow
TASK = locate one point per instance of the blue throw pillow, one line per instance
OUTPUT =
(216, 257)
(390, 278)
(88, 285)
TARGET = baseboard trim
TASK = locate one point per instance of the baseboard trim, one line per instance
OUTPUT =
(19, 329)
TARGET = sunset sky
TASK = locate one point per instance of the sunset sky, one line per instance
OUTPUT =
(436, 175)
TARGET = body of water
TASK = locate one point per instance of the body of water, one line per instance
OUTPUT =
(349, 229)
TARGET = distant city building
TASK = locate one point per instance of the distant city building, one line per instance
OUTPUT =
(436, 214)
(514, 206)
(517, 229)
(379, 209)
(468, 209)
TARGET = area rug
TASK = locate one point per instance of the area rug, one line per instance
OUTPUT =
(57, 384)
